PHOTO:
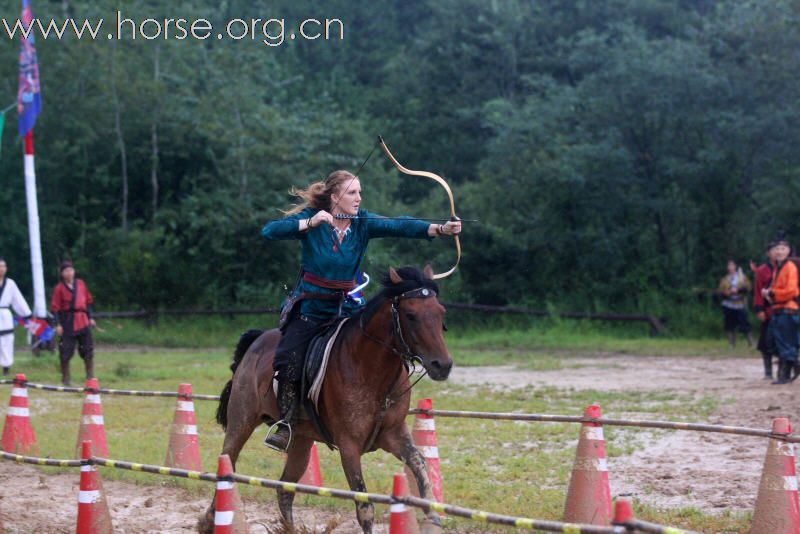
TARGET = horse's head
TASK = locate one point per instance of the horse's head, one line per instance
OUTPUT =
(418, 319)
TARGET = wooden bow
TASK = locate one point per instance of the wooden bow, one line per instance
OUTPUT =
(438, 179)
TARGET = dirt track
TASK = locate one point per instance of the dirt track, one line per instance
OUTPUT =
(666, 469)
(678, 468)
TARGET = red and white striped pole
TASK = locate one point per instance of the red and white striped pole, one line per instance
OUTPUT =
(39, 305)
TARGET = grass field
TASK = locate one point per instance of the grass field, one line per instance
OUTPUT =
(495, 333)
(505, 467)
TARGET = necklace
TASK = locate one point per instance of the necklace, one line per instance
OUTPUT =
(340, 233)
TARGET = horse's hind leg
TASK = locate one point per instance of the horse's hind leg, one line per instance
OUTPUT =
(239, 430)
(351, 462)
(296, 462)
(400, 444)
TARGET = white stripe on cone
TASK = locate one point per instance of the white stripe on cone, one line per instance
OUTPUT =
(223, 518)
(185, 406)
(92, 419)
(189, 430)
(397, 508)
(92, 398)
(592, 432)
(224, 485)
(19, 392)
(602, 464)
(88, 497)
(790, 483)
(86, 468)
(429, 452)
(18, 412)
(424, 424)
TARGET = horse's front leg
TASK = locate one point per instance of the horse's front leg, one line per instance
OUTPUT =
(399, 443)
(296, 462)
(351, 463)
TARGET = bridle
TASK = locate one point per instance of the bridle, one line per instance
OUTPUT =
(407, 356)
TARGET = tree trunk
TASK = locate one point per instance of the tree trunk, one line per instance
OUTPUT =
(122, 155)
(154, 133)
(241, 154)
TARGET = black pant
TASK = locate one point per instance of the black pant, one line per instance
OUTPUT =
(66, 345)
(735, 319)
(295, 337)
(764, 346)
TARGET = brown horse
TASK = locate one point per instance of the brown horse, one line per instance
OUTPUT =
(366, 393)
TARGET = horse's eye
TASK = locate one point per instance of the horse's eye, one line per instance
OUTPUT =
(411, 317)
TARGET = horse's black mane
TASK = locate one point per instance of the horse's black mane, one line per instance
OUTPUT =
(412, 278)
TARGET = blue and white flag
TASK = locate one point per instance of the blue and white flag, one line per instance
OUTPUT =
(29, 97)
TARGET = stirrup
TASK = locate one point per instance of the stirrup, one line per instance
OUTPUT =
(272, 433)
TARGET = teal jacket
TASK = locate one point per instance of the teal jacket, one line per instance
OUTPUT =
(322, 256)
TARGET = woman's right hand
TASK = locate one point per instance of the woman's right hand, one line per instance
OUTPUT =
(59, 330)
(320, 217)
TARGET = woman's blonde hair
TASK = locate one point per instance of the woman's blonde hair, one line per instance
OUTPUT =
(318, 194)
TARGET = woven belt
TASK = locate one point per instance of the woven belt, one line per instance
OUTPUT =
(345, 285)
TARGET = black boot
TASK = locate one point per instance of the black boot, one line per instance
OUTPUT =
(89, 365)
(279, 435)
(767, 366)
(65, 379)
(6, 371)
(784, 373)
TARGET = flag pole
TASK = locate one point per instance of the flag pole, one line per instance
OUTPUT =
(39, 306)
(29, 104)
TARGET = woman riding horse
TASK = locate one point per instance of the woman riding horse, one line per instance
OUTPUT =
(334, 232)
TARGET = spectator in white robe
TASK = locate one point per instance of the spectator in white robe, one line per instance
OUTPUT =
(11, 303)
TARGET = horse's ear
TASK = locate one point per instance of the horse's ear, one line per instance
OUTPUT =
(393, 276)
(428, 271)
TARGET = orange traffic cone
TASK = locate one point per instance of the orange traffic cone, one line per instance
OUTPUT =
(312, 476)
(183, 450)
(776, 509)
(228, 512)
(424, 436)
(589, 496)
(18, 436)
(401, 520)
(92, 427)
(93, 514)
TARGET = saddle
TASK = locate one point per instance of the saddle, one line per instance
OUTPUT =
(313, 374)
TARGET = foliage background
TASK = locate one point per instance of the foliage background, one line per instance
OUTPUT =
(616, 153)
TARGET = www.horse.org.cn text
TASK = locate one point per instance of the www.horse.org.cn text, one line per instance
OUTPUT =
(269, 31)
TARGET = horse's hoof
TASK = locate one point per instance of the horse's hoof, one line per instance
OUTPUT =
(205, 525)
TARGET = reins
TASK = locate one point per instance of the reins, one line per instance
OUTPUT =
(408, 359)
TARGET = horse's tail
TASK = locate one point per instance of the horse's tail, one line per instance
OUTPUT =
(245, 340)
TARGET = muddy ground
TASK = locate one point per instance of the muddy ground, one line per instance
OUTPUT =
(678, 468)
(666, 468)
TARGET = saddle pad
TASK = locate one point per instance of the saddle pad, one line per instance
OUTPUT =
(317, 360)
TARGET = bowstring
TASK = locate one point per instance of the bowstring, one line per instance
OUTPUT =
(355, 176)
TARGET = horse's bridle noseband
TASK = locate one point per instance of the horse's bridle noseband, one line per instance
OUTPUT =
(420, 293)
